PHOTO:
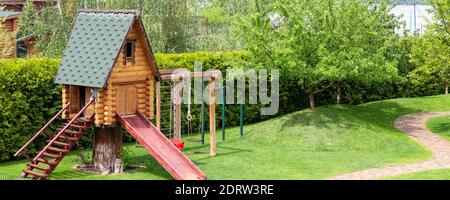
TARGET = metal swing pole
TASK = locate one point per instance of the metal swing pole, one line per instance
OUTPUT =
(242, 120)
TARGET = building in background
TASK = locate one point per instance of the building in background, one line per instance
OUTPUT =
(415, 18)
(17, 5)
(9, 17)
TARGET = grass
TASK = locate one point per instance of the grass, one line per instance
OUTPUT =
(309, 144)
(440, 174)
(441, 126)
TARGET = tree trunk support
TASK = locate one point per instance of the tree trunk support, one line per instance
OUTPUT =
(107, 148)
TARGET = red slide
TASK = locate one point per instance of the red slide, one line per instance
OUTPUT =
(161, 148)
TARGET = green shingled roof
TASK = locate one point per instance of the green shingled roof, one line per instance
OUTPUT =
(93, 47)
(4, 14)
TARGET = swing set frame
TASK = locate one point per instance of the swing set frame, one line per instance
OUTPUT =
(177, 78)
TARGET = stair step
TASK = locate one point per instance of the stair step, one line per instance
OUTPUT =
(27, 171)
(76, 126)
(51, 155)
(38, 167)
(48, 162)
(83, 120)
(72, 139)
(69, 131)
(60, 143)
(57, 150)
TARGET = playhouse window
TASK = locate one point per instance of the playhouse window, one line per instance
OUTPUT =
(129, 52)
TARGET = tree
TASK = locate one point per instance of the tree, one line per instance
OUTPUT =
(51, 25)
(322, 43)
(168, 23)
(432, 58)
(431, 51)
(441, 11)
(359, 45)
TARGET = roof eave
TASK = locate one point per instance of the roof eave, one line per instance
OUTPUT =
(156, 73)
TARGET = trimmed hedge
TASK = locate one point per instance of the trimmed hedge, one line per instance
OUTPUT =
(28, 98)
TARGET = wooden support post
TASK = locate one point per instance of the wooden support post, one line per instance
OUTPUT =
(107, 148)
(158, 105)
(177, 108)
(212, 117)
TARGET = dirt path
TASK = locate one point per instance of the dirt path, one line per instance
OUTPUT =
(414, 126)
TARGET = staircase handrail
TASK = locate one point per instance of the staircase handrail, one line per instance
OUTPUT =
(42, 129)
(63, 130)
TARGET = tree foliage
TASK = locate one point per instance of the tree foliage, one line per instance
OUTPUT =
(172, 26)
(430, 52)
(323, 43)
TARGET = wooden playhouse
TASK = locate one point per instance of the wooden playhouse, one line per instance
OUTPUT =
(109, 78)
(109, 55)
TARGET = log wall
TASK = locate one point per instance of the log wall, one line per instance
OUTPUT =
(138, 76)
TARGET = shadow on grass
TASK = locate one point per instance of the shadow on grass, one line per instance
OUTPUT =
(70, 175)
(377, 114)
(226, 151)
(152, 166)
(317, 118)
(442, 128)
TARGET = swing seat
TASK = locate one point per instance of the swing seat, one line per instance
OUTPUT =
(178, 143)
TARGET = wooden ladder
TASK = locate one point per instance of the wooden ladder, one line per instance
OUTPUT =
(68, 134)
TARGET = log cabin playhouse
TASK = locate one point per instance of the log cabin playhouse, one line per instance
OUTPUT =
(109, 78)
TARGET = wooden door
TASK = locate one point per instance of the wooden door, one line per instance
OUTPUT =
(91, 109)
(126, 100)
(74, 100)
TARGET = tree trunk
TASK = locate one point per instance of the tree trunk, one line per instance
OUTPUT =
(446, 85)
(107, 148)
(312, 102)
(338, 95)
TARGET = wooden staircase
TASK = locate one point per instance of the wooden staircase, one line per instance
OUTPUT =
(66, 137)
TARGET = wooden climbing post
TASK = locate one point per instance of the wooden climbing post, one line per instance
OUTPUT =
(177, 108)
(158, 105)
(223, 114)
(212, 117)
(202, 117)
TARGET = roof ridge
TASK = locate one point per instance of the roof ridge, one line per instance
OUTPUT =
(116, 11)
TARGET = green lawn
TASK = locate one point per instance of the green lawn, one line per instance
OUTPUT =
(309, 144)
(441, 174)
(441, 126)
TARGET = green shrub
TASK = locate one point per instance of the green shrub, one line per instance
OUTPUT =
(210, 60)
(28, 98)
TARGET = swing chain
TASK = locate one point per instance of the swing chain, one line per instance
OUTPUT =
(189, 114)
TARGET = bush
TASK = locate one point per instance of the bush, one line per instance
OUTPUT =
(28, 98)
